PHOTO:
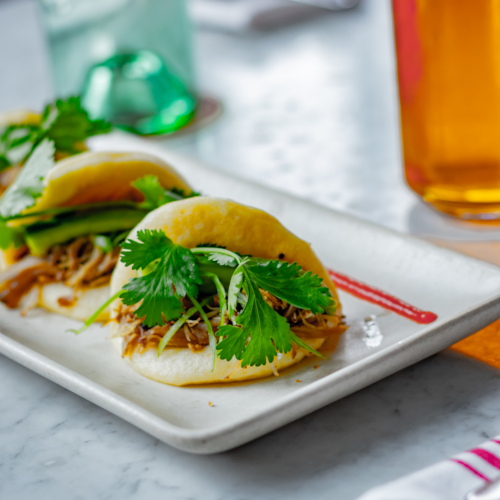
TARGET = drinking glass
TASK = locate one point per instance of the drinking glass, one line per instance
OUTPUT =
(129, 59)
(448, 61)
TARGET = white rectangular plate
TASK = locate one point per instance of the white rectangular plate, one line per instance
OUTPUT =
(465, 293)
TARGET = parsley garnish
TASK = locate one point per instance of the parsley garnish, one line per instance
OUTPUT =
(16, 143)
(175, 275)
(65, 122)
(28, 186)
(263, 331)
(155, 195)
(258, 333)
(287, 282)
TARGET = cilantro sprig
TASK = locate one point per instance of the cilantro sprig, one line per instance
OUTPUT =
(16, 143)
(175, 275)
(28, 186)
(64, 122)
(67, 123)
(255, 334)
(155, 195)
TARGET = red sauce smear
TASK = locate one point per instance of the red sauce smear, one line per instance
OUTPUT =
(383, 299)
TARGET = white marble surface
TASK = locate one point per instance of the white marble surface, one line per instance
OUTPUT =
(327, 131)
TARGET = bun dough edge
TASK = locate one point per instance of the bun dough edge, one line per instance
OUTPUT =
(91, 177)
(239, 228)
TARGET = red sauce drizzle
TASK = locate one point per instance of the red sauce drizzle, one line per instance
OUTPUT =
(383, 299)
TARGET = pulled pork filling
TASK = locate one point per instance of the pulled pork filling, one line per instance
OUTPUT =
(7, 177)
(194, 333)
(78, 264)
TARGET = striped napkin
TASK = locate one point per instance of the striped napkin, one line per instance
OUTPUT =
(450, 479)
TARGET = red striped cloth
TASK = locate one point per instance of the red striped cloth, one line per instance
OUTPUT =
(450, 479)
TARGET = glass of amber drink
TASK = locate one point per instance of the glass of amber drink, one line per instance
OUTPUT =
(448, 57)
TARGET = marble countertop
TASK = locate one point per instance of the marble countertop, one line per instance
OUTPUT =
(310, 109)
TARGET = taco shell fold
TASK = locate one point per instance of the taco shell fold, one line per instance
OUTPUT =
(239, 228)
(92, 177)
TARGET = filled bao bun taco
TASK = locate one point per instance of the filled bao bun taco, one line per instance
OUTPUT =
(210, 290)
(60, 251)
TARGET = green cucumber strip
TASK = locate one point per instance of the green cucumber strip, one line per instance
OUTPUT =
(54, 211)
(40, 237)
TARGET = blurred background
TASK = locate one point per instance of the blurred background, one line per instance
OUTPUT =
(299, 96)
(308, 95)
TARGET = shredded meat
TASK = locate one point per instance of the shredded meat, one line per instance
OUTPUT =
(79, 264)
(8, 176)
(194, 334)
(138, 337)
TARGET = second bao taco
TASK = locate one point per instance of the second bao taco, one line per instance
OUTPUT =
(264, 269)
(66, 245)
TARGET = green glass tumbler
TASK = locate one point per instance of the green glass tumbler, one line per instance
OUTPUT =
(137, 92)
(130, 60)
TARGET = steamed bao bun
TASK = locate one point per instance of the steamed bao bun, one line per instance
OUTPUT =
(93, 177)
(238, 228)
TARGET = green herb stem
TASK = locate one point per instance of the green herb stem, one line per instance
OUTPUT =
(179, 323)
(222, 296)
(211, 335)
(97, 313)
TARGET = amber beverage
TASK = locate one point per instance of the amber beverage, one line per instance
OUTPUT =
(448, 57)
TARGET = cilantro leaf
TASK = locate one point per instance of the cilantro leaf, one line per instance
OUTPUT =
(16, 143)
(28, 186)
(175, 275)
(150, 246)
(182, 193)
(258, 332)
(264, 332)
(159, 302)
(267, 332)
(222, 259)
(67, 123)
(234, 343)
(287, 282)
(154, 194)
(233, 291)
